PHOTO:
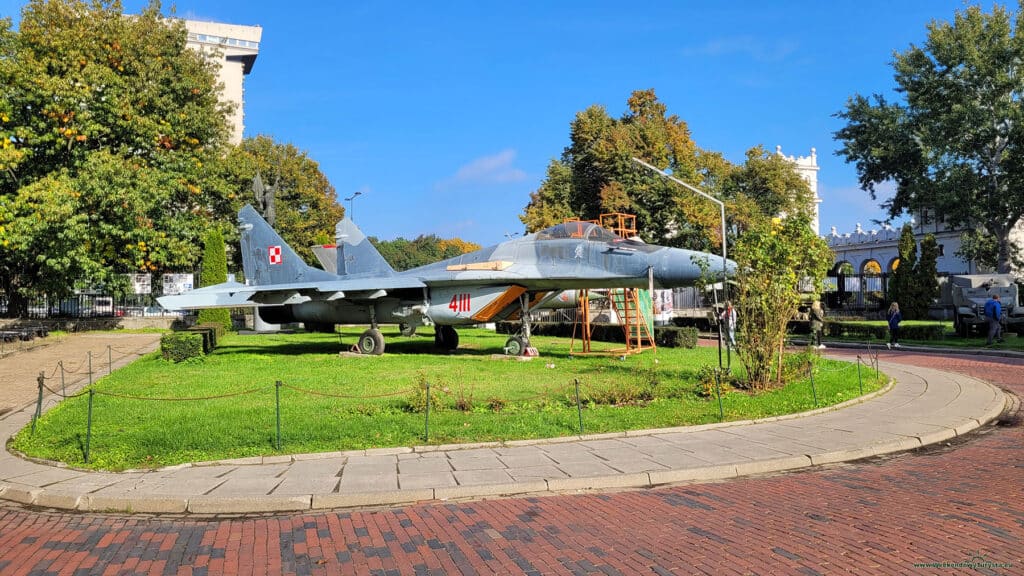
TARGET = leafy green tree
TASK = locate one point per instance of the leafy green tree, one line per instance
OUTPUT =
(926, 282)
(551, 203)
(955, 141)
(305, 203)
(215, 271)
(901, 283)
(405, 254)
(108, 128)
(775, 258)
(765, 186)
(596, 175)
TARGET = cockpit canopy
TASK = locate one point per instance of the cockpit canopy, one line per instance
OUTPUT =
(584, 230)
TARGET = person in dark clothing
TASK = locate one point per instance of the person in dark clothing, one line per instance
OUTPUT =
(994, 315)
(894, 317)
(817, 323)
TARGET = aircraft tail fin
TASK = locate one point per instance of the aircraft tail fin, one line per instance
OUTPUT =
(267, 259)
(356, 255)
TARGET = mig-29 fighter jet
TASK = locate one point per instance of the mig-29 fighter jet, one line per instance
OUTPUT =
(495, 283)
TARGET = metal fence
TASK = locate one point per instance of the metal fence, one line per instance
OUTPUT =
(90, 305)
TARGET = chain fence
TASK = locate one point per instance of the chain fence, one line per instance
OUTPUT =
(574, 392)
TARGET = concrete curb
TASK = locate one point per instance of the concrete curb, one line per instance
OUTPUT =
(237, 505)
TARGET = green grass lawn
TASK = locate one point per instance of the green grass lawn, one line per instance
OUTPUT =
(155, 413)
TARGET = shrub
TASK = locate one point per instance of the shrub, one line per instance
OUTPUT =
(417, 399)
(795, 366)
(706, 381)
(180, 346)
(207, 335)
(676, 337)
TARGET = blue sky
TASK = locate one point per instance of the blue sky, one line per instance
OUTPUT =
(445, 114)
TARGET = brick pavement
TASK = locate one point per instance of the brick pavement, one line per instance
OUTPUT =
(958, 503)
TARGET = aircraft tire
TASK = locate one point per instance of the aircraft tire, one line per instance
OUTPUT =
(407, 330)
(371, 342)
(446, 338)
(516, 346)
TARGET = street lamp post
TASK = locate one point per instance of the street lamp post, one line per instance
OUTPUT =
(721, 207)
(351, 206)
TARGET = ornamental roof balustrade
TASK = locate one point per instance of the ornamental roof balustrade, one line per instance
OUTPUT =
(860, 236)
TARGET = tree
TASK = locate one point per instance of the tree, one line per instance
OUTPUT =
(596, 175)
(956, 142)
(775, 258)
(405, 254)
(215, 271)
(305, 202)
(926, 281)
(901, 283)
(108, 127)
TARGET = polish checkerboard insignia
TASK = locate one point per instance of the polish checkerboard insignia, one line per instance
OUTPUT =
(274, 254)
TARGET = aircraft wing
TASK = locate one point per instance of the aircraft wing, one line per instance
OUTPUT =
(235, 295)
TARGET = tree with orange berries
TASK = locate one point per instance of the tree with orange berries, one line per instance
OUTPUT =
(109, 127)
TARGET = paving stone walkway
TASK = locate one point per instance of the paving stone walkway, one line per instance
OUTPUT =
(959, 501)
(923, 407)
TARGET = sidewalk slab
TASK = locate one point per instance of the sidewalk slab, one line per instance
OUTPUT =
(923, 407)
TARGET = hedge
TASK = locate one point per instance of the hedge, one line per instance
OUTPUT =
(179, 346)
(869, 330)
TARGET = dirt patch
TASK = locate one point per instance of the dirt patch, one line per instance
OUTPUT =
(19, 372)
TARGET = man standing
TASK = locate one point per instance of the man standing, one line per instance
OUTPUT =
(728, 318)
(993, 313)
(817, 322)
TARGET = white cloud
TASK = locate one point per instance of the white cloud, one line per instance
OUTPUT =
(495, 169)
(758, 50)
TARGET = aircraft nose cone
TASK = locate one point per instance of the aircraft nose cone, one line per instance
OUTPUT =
(676, 267)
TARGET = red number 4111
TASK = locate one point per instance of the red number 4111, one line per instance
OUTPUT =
(459, 303)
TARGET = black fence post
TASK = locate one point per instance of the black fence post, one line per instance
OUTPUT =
(718, 392)
(579, 409)
(88, 427)
(110, 361)
(810, 374)
(277, 394)
(426, 428)
(39, 402)
(860, 380)
(63, 388)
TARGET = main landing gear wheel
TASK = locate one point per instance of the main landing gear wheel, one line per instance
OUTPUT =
(446, 338)
(371, 342)
(407, 330)
(516, 346)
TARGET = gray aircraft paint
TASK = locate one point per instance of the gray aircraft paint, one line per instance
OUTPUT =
(477, 287)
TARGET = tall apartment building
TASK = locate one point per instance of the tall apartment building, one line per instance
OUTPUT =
(236, 48)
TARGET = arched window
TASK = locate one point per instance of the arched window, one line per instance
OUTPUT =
(871, 267)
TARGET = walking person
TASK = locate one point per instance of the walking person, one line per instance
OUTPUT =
(894, 317)
(817, 323)
(728, 318)
(994, 314)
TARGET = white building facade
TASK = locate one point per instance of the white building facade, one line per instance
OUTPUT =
(235, 49)
(807, 167)
(877, 251)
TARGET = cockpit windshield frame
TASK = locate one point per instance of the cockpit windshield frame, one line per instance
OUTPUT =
(579, 229)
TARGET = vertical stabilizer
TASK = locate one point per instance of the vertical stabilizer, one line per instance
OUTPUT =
(267, 259)
(356, 255)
